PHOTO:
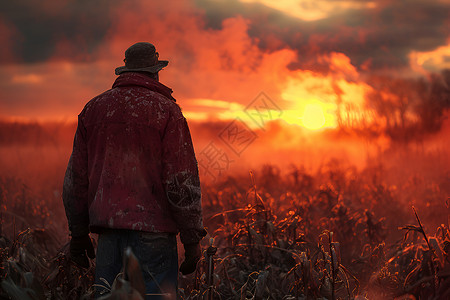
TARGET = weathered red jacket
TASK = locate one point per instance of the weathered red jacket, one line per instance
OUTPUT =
(133, 165)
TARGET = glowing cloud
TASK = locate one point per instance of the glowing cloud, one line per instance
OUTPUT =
(313, 10)
(27, 79)
(431, 61)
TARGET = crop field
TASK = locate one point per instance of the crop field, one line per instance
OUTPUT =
(338, 232)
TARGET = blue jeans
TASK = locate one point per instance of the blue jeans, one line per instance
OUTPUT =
(156, 253)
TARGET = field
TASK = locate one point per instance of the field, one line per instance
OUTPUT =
(336, 232)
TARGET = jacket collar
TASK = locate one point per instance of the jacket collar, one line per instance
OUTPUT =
(137, 79)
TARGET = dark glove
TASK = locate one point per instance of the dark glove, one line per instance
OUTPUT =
(192, 254)
(79, 246)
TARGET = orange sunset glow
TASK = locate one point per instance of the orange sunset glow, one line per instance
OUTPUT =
(323, 66)
(215, 70)
(306, 68)
(324, 109)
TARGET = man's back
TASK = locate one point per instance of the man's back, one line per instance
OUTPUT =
(125, 127)
(133, 176)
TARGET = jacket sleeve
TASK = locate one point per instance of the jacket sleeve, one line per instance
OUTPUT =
(181, 181)
(76, 182)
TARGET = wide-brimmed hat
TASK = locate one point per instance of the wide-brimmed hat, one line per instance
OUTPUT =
(142, 57)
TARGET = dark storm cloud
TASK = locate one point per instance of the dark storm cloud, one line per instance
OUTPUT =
(41, 26)
(380, 37)
(373, 38)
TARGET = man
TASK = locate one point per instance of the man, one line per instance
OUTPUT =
(133, 178)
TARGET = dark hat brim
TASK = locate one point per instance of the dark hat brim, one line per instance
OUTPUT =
(152, 69)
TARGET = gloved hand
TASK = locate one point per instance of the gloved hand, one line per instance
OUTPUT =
(192, 254)
(79, 246)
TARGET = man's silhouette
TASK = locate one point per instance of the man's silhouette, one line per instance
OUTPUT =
(133, 178)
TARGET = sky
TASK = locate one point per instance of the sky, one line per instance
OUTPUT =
(315, 64)
(56, 55)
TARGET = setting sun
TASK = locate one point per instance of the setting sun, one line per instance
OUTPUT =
(313, 117)
(312, 114)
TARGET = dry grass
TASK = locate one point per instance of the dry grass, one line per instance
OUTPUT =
(336, 234)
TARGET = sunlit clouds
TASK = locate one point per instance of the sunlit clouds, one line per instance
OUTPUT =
(431, 61)
(26, 79)
(326, 64)
(313, 10)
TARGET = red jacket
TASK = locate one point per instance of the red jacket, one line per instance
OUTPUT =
(133, 165)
